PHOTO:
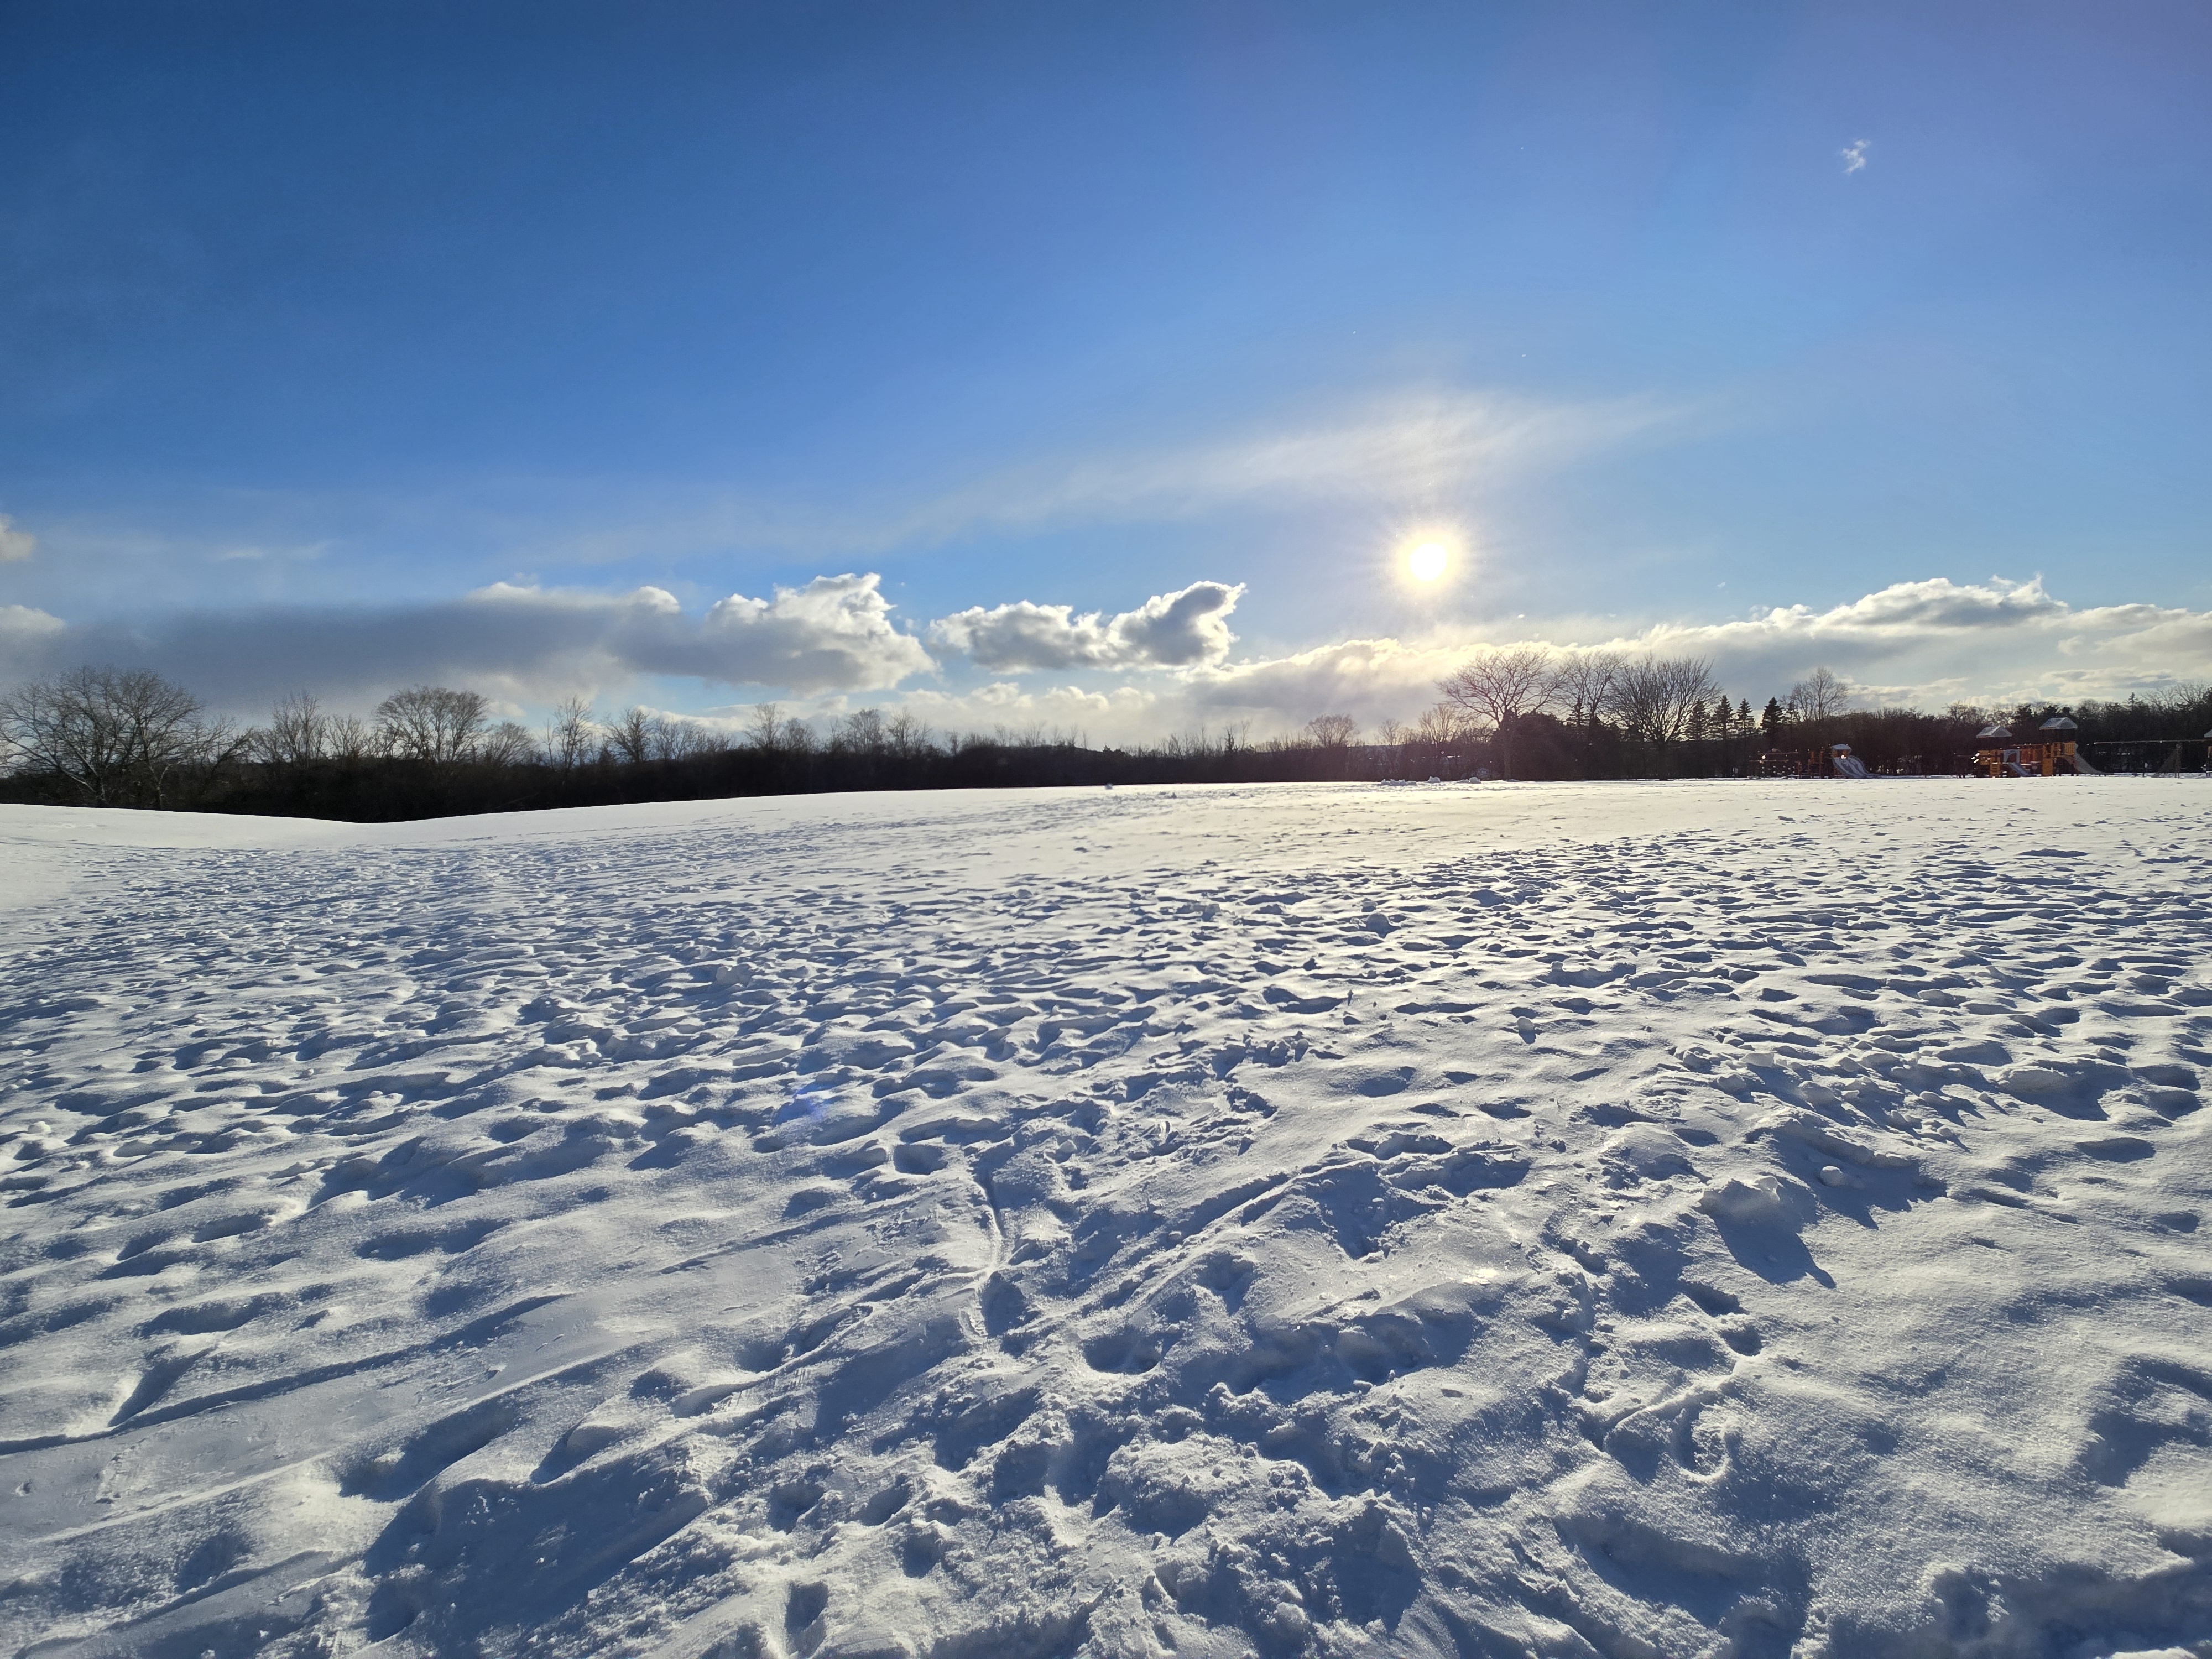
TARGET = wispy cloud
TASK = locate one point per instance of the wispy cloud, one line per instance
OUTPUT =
(1405, 453)
(1408, 452)
(1854, 155)
(1401, 451)
(259, 554)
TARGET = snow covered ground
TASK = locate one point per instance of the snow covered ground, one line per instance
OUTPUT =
(1646, 1220)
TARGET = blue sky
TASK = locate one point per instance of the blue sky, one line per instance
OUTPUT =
(347, 345)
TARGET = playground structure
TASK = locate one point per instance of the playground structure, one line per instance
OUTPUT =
(2053, 751)
(1833, 760)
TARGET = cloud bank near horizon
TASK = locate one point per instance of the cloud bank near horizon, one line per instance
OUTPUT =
(833, 643)
(1926, 643)
(529, 645)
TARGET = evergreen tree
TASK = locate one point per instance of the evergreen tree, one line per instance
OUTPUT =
(1771, 721)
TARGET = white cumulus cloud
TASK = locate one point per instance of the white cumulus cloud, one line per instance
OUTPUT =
(835, 633)
(1854, 155)
(23, 629)
(1183, 630)
(15, 543)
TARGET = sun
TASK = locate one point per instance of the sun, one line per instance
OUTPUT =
(1427, 562)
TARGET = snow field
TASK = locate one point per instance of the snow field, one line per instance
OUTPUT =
(1636, 1221)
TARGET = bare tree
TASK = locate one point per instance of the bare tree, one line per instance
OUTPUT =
(766, 731)
(1654, 699)
(906, 736)
(298, 732)
(349, 740)
(1501, 686)
(118, 739)
(1583, 683)
(570, 736)
(1818, 698)
(1331, 731)
(861, 732)
(1194, 743)
(630, 737)
(673, 737)
(1439, 732)
(433, 723)
(508, 744)
(1395, 739)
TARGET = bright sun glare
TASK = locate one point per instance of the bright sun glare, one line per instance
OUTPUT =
(1427, 561)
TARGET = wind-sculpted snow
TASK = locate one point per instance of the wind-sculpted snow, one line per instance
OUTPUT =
(1643, 1221)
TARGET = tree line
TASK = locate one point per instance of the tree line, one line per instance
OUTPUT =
(1543, 714)
(106, 738)
(109, 737)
